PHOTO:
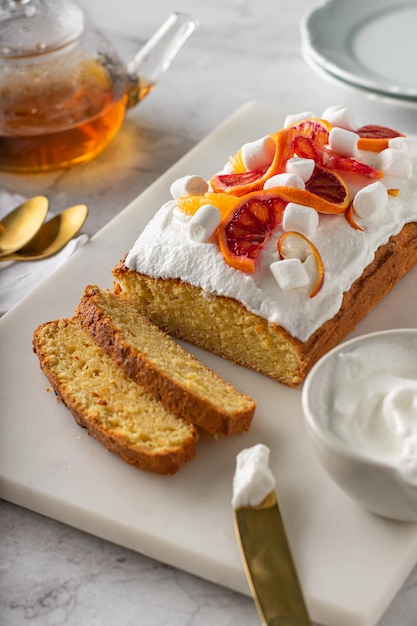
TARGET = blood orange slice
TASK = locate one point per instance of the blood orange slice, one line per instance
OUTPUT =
(242, 183)
(246, 229)
(238, 183)
(315, 128)
(284, 249)
(375, 138)
(309, 149)
(328, 185)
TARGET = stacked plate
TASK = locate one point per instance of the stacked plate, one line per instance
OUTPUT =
(366, 45)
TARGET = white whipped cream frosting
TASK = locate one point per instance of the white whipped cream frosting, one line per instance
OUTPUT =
(373, 409)
(253, 480)
(165, 250)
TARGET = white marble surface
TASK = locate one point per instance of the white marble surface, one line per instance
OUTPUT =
(243, 50)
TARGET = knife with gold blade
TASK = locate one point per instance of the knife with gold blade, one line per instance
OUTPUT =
(263, 543)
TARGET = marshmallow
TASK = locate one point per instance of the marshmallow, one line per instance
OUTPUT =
(344, 142)
(204, 223)
(302, 167)
(284, 180)
(298, 117)
(258, 154)
(290, 274)
(405, 144)
(303, 219)
(394, 163)
(188, 186)
(370, 199)
(339, 116)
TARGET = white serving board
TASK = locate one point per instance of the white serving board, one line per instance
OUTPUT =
(351, 563)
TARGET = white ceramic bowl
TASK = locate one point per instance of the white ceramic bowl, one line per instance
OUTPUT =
(374, 480)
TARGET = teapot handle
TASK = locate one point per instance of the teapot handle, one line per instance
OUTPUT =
(156, 55)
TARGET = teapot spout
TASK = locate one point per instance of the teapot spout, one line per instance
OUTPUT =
(156, 56)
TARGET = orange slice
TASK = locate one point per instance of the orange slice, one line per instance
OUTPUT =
(309, 149)
(245, 231)
(315, 128)
(238, 183)
(375, 138)
(242, 183)
(284, 247)
(328, 185)
(223, 201)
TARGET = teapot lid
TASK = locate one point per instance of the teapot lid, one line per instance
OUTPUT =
(34, 27)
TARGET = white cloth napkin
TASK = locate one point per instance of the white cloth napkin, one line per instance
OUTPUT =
(18, 278)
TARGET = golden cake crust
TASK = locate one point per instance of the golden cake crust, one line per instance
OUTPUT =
(225, 327)
(153, 359)
(115, 410)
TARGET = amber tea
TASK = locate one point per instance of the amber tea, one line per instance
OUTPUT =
(47, 126)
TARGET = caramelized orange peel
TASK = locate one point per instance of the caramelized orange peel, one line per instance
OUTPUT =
(285, 250)
(349, 214)
(303, 196)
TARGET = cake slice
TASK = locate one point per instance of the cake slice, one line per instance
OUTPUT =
(153, 359)
(117, 411)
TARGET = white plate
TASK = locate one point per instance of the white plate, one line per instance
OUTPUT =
(392, 99)
(351, 563)
(369, 43)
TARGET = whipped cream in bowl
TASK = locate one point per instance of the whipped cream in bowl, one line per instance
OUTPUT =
(360, 408)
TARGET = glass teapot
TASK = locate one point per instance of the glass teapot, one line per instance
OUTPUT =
(64, 91)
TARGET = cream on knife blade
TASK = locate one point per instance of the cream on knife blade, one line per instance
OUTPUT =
(266, 555)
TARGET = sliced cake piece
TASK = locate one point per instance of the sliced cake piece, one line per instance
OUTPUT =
(153, 359)
(117, 411)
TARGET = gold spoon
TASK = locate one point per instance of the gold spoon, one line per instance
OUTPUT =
(52, 236)
(20, 226)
